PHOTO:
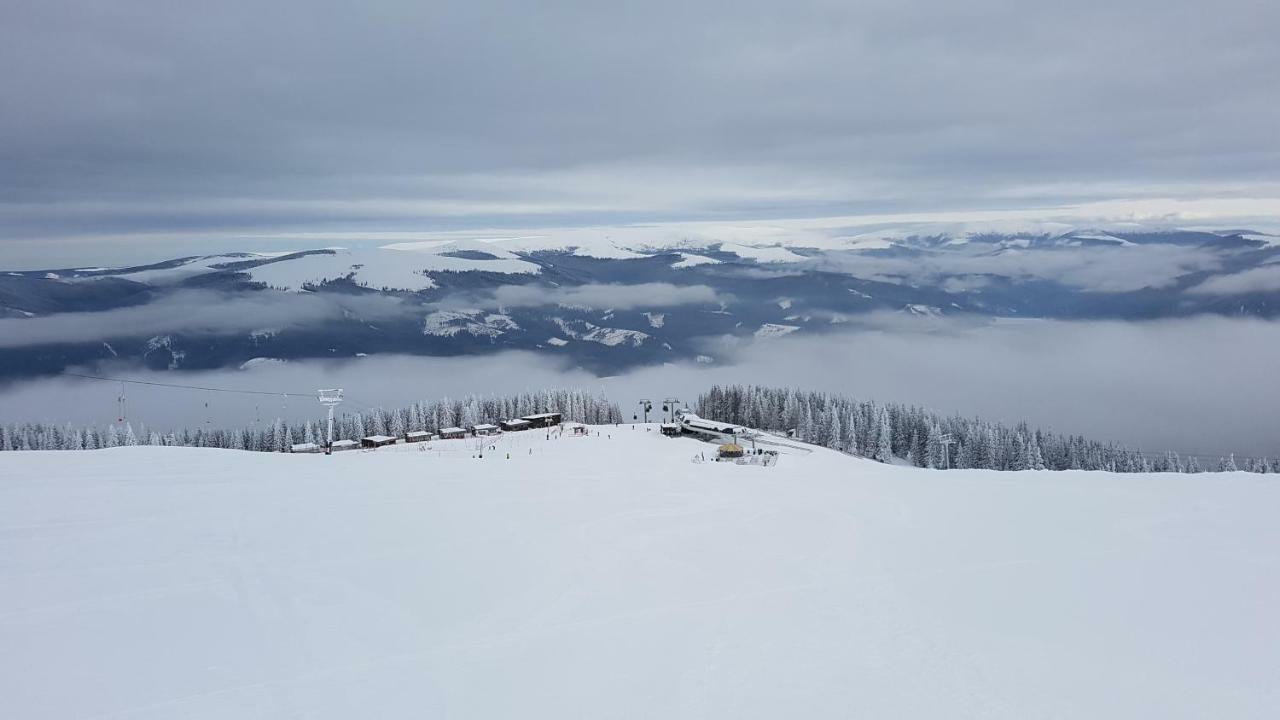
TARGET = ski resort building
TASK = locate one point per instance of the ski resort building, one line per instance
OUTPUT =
(377, 441)
(542, 420)
(484, 429)
(340, 445)
(712, 429)
(417, 436)
(452, 433)
(305, 448)
(670, 429)
(515, 425)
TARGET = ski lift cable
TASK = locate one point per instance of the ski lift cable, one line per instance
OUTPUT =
(363, 407)
(189, 387)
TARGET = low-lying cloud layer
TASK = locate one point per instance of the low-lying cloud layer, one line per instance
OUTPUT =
(195, 312)
(1260, 279)
(1202, 385)
(618, 297)
(1092, 269)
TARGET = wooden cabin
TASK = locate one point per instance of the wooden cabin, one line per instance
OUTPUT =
(452, 433)
(542, 420)
(305, 448)
(340, 445)
(417, 436)
(484, 429)
(377, 441)
(670, 429)
(514, 425)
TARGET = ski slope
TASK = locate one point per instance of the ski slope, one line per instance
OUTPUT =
(611, 577)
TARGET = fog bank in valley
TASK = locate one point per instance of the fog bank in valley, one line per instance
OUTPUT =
(1203, 385)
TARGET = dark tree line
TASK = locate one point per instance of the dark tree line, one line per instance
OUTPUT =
(882, 431)
(575, 405)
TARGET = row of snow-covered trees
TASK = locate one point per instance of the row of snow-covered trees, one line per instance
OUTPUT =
(575, 405)
(882, 431)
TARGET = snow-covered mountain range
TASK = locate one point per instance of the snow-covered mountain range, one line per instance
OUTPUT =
(608, 299)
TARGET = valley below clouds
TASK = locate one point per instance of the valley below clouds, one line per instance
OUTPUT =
(1203, 385)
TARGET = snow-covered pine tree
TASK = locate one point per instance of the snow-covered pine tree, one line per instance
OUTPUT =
(884, 438)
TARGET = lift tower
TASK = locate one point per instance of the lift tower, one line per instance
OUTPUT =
(330, 399)
(670, 405)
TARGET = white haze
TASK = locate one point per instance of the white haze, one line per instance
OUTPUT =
(1091, 269)
(199, 311)
(1204, 385)
(1265, 278)
(616, 296)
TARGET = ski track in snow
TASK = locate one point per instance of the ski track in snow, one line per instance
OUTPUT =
(611, 576)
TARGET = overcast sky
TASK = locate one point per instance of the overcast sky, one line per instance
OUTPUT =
(198, 122)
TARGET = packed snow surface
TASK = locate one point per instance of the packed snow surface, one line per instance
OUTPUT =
(610, 576)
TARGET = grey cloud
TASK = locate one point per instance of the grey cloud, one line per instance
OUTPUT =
(618, 297)
(194, 312)
(1099, 269)
(1260, 279)
(1191, 385)
(965, 283)
(143, 117)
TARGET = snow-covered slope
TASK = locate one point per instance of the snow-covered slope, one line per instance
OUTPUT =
(610, 576)
(406, 266)
(479, 323)
(185, 269)
(374, 268)
(689, 260)
(774, 330)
